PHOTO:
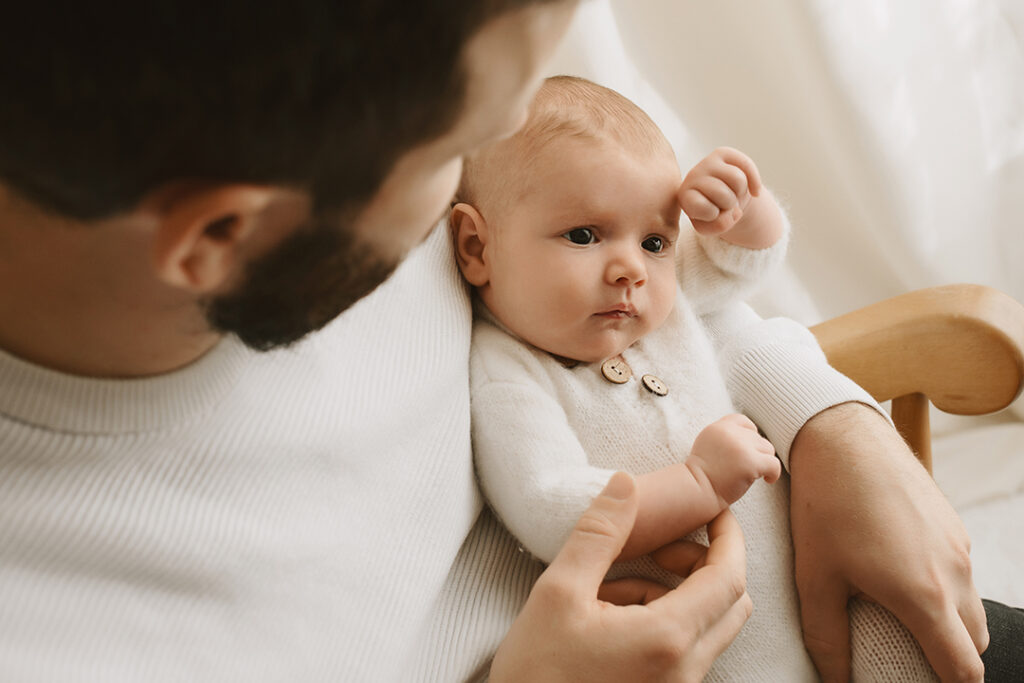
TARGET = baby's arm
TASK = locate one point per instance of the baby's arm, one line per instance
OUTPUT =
(727, 457)
(530, 464)
(740, 233)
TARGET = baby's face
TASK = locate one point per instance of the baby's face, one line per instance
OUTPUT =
(583, 264)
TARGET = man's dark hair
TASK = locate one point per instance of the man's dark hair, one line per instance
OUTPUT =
(102, 102)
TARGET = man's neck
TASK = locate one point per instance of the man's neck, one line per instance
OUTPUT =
(117, 354)
(77, 300)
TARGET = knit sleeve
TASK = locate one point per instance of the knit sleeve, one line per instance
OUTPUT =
(777, 374)
(713, 272)
(531, 466)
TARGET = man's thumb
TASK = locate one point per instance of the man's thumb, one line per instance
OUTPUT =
(599, 535)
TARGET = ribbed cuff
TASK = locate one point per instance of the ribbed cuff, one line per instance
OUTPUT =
(781, 387)
(745, 262)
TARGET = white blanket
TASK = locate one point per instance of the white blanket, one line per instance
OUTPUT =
(894, 135)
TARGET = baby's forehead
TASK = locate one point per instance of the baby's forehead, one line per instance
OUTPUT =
(532, 168)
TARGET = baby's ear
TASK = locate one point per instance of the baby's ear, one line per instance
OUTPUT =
(469, 233)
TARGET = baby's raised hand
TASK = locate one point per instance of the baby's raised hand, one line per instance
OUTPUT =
(733, 456)
(717, 192)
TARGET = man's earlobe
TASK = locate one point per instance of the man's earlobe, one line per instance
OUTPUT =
(200, 234)
(470, 234)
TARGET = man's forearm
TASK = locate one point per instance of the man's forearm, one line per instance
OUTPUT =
(842, 431)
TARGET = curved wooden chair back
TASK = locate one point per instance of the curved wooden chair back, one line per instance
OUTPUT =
(959, 347)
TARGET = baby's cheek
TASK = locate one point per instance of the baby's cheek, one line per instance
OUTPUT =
(666, 296)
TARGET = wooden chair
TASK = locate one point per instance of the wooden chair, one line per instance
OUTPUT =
(960, 347)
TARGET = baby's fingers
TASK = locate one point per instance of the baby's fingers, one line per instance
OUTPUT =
(696, 206)
(740, 420)
(717, 191)
(751, 176)
(735, 178)
(706, 217)
(770, 466)
(772, 470)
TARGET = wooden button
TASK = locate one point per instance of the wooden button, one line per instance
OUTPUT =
(654, 385)
(616, 370)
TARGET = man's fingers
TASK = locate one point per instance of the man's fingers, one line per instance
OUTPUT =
(946, 643)
(630, 591)
(975, 620)
(680, 557)
(597, 538)
(725, 543)
(720, 634)
(826, 626)
(711, 591)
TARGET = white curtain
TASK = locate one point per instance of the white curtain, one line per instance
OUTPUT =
(893, 132)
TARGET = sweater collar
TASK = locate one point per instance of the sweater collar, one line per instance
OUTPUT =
(61, 402)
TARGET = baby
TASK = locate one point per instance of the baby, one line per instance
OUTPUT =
(602, 343)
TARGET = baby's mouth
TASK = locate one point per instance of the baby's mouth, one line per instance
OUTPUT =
(619, 311)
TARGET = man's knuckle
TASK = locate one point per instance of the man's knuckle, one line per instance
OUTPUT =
(931, 592)
(597, 523)
(668, 644)
(823, 647)
(736, 584)
(962, 560)
(553, 590)
(746, 606)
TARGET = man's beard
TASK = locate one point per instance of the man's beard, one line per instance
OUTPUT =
(300, 286)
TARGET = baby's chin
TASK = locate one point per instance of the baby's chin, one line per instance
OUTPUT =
(589, 353)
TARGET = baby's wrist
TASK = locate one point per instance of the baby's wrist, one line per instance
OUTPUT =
(761, 225)
(702, 474)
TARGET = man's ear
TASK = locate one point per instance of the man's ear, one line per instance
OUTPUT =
(469, 231)
(201, 232)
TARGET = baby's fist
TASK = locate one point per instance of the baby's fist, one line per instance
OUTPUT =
(716, 192)
(733, 456)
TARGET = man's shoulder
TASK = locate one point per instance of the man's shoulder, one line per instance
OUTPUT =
(423, 304)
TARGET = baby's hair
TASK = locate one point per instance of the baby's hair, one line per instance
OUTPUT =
(563, 106)
(569, 105)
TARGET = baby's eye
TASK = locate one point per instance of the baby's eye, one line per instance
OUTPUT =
(580, 236)
(653, 244)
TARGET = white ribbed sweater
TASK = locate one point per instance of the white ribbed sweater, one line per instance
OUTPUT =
(292, 516)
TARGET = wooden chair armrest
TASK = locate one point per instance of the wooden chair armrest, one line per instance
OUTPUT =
(959, 346)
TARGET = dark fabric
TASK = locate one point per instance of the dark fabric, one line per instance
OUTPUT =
(1004, 658)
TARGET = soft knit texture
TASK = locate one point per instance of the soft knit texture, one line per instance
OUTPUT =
(290, 516)
(309, 514)
(547, 437)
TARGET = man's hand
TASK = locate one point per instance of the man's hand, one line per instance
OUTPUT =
(867, 520)
(732, 455)
(567, 633)
(723, 195)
